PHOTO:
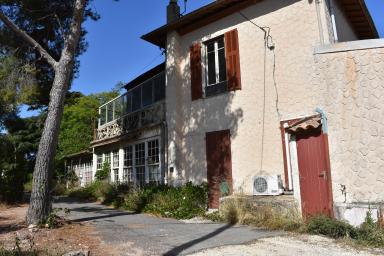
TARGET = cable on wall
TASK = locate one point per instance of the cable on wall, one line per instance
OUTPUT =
(268, 44)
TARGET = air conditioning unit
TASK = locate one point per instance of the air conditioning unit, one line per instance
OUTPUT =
(267, 185)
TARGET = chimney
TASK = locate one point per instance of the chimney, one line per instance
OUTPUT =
(173, 11)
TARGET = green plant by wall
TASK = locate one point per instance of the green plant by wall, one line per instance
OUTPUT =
(103, 173)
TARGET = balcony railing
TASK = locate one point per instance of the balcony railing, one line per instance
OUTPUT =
(140, 97)
(134, 121)
(139, 107)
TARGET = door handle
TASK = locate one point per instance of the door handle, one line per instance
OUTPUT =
(323, 175)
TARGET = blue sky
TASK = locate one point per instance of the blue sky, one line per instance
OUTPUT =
(116, 52)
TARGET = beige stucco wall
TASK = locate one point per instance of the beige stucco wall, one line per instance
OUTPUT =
(293, 26)
(304, 81)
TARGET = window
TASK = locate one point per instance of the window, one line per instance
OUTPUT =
(99, 165)
(109, 112)
(159, 88)
(115, 159)
(154, 161)
(116, 175)
(216, 71)
(140, 163)
(107, 158)
(128, 165)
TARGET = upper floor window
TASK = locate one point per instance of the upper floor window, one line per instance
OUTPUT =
(216, 66)
(219, 60)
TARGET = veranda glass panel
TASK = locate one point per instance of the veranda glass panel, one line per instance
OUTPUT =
(109, 112)
(118, 104)
(147, 93)
(159, 88)
(103, 112)
(127, 103)
(136, 99)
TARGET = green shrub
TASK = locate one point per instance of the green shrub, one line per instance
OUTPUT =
(241, 210)
(369, 233)
(323, 225)
(103, 174)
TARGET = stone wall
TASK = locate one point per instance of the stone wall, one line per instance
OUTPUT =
(351, 84)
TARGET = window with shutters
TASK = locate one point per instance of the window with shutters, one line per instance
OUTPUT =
(216, 70)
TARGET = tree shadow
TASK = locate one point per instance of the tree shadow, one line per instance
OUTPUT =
(104, 216)
(181, 248)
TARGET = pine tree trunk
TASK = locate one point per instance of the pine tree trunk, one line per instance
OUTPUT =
(41, 200)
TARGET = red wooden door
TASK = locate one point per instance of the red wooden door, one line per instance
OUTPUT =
(219, 164)
(314, 173)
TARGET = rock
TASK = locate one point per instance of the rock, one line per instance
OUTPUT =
(32, 228)
(77, 253)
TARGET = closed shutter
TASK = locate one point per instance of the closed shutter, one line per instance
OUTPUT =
(219, 165)
(233, 60)
(196, 75)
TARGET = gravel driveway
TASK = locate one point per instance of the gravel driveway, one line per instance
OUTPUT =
(140, 234)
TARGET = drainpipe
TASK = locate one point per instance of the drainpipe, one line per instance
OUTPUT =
(324, 120)
(319, 21)
(332, 11)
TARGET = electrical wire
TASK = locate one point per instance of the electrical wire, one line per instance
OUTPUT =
(149, 64)
(268, 44)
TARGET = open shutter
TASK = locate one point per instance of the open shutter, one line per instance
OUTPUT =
(233, 60)
(196, 75)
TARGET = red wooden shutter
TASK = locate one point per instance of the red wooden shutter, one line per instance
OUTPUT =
(233, 60)
(196, 80)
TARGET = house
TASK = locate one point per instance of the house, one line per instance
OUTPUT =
(258, 87)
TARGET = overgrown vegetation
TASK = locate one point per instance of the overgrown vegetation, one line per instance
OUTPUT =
(369, 233)
(182, 202)
(241, 210)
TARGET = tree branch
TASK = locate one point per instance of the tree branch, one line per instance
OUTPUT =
(72, 40)
(28, 39)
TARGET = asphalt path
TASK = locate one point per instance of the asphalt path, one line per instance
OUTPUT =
(158, 236)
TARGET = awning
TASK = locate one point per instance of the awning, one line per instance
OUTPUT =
(305, 123)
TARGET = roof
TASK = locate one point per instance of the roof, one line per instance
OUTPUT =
(355, 10)
(145, 76)
(360, 18)
(79, 154)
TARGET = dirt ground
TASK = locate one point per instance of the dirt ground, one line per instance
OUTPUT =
(69, 237)
(303, 245)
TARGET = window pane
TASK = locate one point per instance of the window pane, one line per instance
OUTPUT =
(211, 47)
(159, 84)
(118, 107)
(136, 99)
(128, 103)
(153, 152)
(220, 43)
(107, 158)
(116, 159)
(140, 176)
(109, 112)
(128, 156)
(211, 68)
(140, 154)
(103, 112)
(222, 66)
(147, 93)
(99, 162)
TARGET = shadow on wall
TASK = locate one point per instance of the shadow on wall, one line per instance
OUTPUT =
(191, 120)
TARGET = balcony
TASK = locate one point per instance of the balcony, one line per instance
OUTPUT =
(140, 107)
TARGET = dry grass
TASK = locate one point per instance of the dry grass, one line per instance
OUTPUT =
(242, 211)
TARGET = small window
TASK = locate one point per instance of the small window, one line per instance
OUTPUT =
(99, 165)
(116, 159)
(116, 175)
(216, 70)
(107, 158)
